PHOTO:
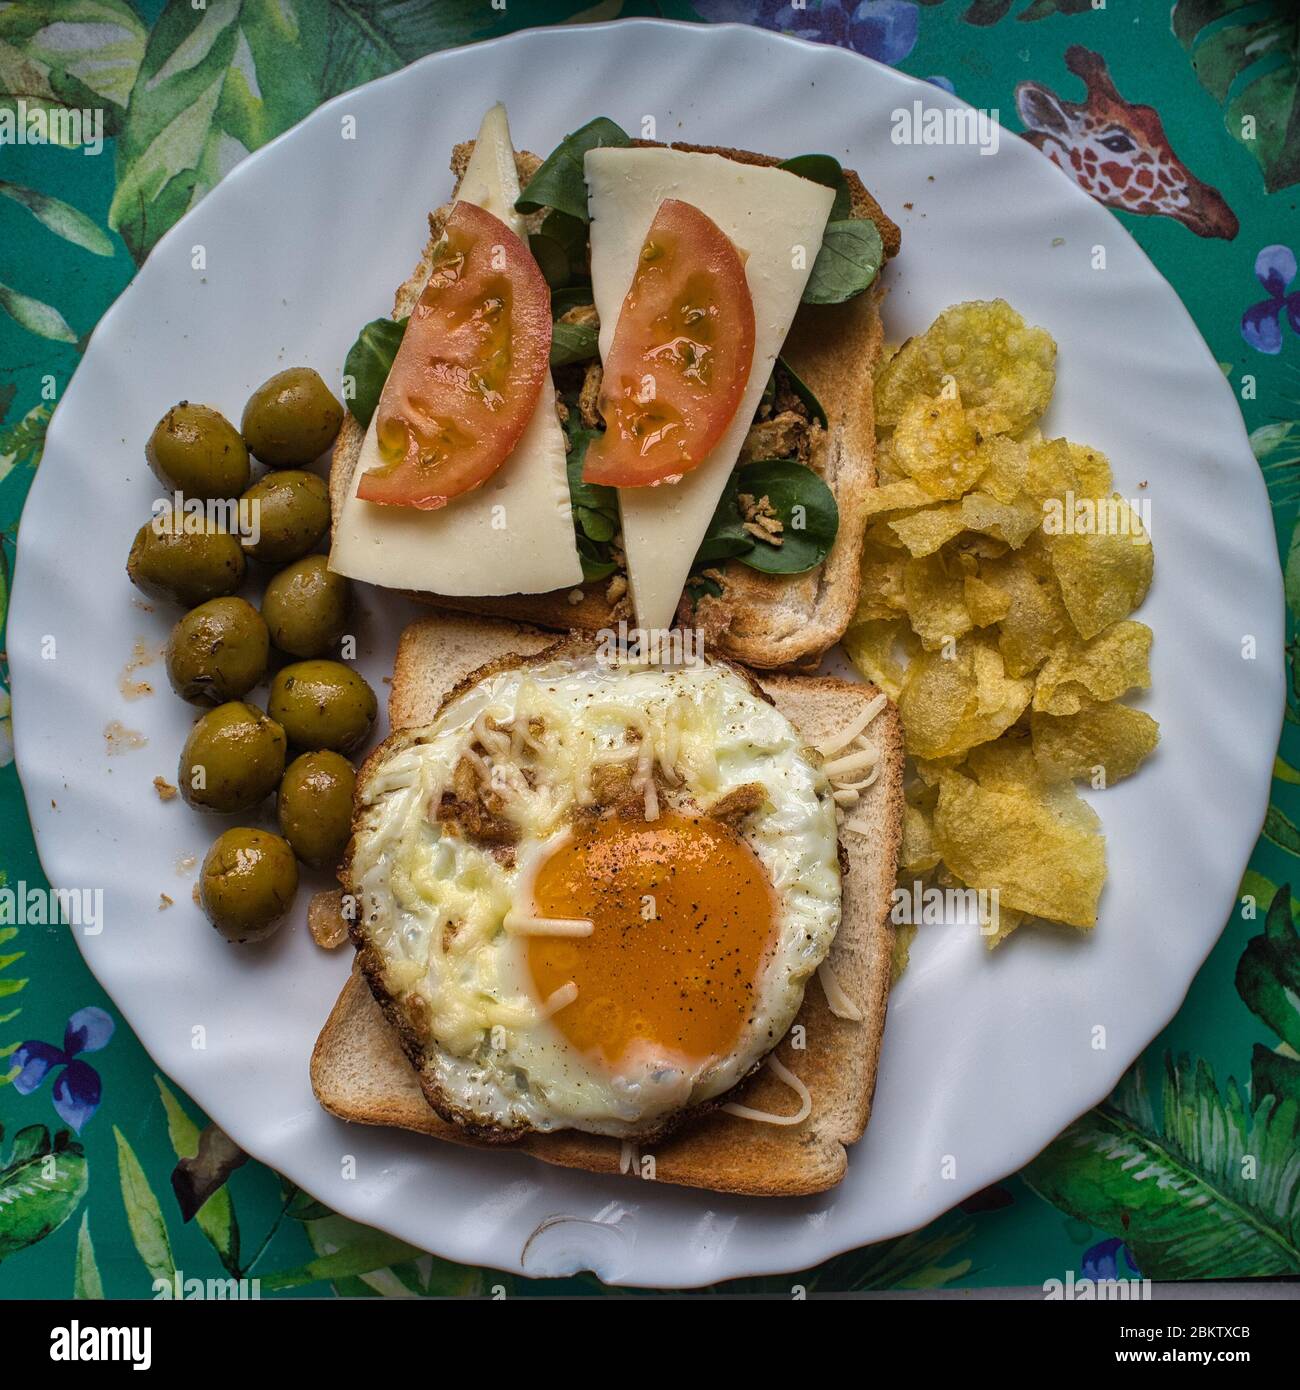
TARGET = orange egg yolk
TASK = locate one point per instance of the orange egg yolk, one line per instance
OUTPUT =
(684, 923)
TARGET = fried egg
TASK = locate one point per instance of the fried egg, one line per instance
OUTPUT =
(595, 891)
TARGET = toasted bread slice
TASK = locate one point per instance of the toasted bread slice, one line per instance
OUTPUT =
(360, 1072)
(766, 621)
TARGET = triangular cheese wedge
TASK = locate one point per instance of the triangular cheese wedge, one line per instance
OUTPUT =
(776, 220)
(512, 535)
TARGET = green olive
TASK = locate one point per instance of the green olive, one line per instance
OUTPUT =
(195, 450)
(315, 807)
(233, 758)
(291, 418)
(323, 704)
(290, 513)
(217, 652)
(306, 607)
(248, 883)
(185, 562)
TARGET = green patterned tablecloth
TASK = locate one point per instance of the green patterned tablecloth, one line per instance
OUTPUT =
(87, 1193)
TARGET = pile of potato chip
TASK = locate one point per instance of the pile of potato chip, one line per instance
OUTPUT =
(1006, 642)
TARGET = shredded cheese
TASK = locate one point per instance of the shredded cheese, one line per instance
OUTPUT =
(852, 729)
(862, 785)
(525, 924)
(495, 741)
(644, 779)
(840, 1003)
(624, 754)
(560, 999)
(847, 753)
(782, 1073)
(857, 761)
(480, 766)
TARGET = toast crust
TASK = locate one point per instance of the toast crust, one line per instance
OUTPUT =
(365, 1067)
(766, 621)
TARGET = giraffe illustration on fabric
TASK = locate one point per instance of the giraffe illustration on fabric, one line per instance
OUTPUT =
(1118, 152)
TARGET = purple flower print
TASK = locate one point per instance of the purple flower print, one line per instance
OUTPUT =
(77, 1088)
(882, 29)
(1101, 1261)
(1261, 324)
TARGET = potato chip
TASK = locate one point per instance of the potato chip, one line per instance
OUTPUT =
(925, 530)
(985, 604)
(1036, 622)
(1102, 558)
(918, 854)
(881, 534)
(918, 791)
(887, 469)
(981, 546)
(1006, 467)
(1091, 471)
(1007, 920)
(935, 601)
(976, 907)
(1046, 860)
(1101, 742)
(874, 648)
(938, 695)
(1057, 468)
(1051, 469)
(1102, 668)
(903, 935)
(1008, 764)
(937, 444)
(896, 497)
(949, 703)
(1001, 697)
(881, 594)
(996, 919)
(929, 771)
(1013, 522)
(1002, 367)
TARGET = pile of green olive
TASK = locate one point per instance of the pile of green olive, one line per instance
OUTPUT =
(318, 709)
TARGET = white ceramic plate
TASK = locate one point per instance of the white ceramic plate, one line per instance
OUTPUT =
(985, 1059)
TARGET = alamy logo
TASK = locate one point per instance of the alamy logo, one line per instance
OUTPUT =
(929, 905)
(920, 124)
(78, 127)
(659, 646)
(178, 515)
(1098, 516)
(178, 1287)
(78, 1343)
(1087, 1290)
(26, 905)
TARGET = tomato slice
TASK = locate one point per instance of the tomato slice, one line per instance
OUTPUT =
(466, 379)
(681, 354)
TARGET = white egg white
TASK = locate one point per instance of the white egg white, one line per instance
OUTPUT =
(434, 904)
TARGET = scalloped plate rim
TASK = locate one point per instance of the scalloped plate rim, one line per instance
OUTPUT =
(46, 828)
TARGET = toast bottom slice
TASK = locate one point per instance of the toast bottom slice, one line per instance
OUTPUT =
(360, 1073)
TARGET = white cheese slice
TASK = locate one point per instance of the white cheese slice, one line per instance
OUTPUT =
(776, 220)
(491, 180)
(514, 533)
